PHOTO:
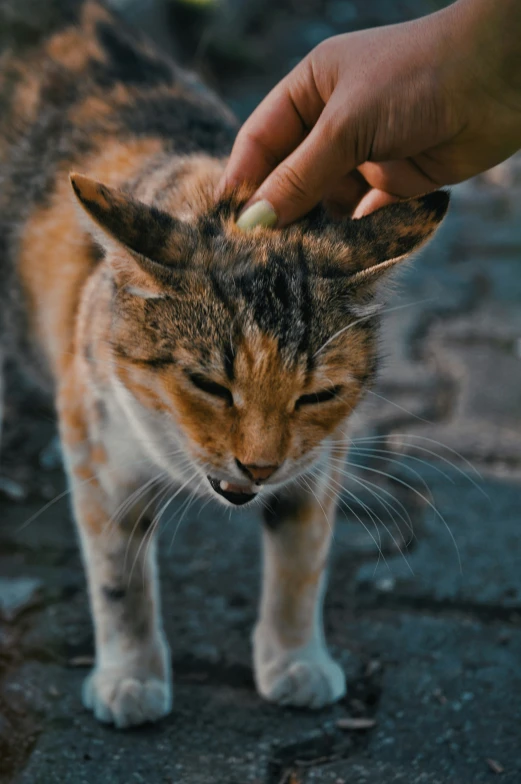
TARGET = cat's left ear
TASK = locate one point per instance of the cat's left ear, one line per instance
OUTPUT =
(369, 247)
(153, 238)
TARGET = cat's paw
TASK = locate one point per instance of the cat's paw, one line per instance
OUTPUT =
(126, 699)
(302, 678)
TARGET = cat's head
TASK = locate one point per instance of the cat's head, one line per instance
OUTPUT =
(236, 355)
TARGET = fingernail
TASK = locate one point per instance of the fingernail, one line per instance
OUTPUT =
(259, 214)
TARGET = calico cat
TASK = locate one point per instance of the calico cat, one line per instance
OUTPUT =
(181, 352)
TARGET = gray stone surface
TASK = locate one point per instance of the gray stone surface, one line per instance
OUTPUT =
(432, 651)
(16, 595)
(467, 550)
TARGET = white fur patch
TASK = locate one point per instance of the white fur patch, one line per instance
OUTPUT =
(143, 293)
(306, 677)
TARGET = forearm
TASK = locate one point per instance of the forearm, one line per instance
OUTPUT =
(488, 34)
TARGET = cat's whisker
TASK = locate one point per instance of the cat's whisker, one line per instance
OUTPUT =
(417, 436)
(164, 508)
(156, 522)
(400, 408)
(343, 503)
(369, 316)
(155, 527)
(62, 495)
(151, 529)
(414, 490)
(187, 505)
(405, 455)
(184, 465)
(159, 494)
(340, 488)
(129, 502)
(334, 496)
(203, 507)
(388, 456)
(326, 516)
(148, 540)
(373, 489)
(415, 473)
(47, 506)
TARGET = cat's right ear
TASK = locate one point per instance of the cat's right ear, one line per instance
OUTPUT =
(156, 241)
(367, 249)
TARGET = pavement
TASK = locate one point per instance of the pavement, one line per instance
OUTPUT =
(424, 604)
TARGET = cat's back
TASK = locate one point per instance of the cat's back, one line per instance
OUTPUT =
(79, 89)
(73, 75)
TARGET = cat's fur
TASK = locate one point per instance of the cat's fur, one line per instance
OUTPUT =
(175, 345)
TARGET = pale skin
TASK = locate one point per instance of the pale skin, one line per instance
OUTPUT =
(377, 115)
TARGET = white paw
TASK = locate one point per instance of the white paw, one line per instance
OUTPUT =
(126, 699)
(306, 679)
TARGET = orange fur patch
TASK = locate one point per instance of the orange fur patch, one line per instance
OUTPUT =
(55, 256)
(73, 50)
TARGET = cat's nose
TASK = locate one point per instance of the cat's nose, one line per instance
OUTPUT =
(256, 473)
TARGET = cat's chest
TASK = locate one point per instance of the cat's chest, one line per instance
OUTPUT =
(138, 450)
(126, 465)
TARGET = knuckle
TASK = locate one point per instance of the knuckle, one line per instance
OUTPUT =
(351, 136)
(291, 184)
(322, 50)
(255, 141)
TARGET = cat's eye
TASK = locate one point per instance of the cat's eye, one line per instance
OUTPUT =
(211, 387)
(318, 397)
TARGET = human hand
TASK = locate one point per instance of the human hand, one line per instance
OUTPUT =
(373, 116)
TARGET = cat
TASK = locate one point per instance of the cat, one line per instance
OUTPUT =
(181, 352)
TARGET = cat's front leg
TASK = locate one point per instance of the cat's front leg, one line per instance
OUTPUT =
(291, 661)
(131, 683)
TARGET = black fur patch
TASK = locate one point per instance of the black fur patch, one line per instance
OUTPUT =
(228, 360)
(126, 63)
(279, 509)
(113, 594)
(274, 293)
(144, 229)
(186, 125)
(26, 23)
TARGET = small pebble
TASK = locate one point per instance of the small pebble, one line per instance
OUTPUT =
(495, 766)
(51, 456)
(386, 585)
(17, 594)
(13, 490)
(352, 723)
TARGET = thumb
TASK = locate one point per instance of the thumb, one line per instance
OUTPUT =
(302, 179)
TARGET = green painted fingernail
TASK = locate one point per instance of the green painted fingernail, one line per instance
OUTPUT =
(259, 214)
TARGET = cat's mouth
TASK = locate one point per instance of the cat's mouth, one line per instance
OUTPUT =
(235, 494)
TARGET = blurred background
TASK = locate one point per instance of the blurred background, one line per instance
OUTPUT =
(243, 47)
(424, 605)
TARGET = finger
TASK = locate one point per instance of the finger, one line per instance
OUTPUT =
(403, 178)
(343, 197)
(391, 181)
(373, 200)
(302, 179)
(276, 127)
